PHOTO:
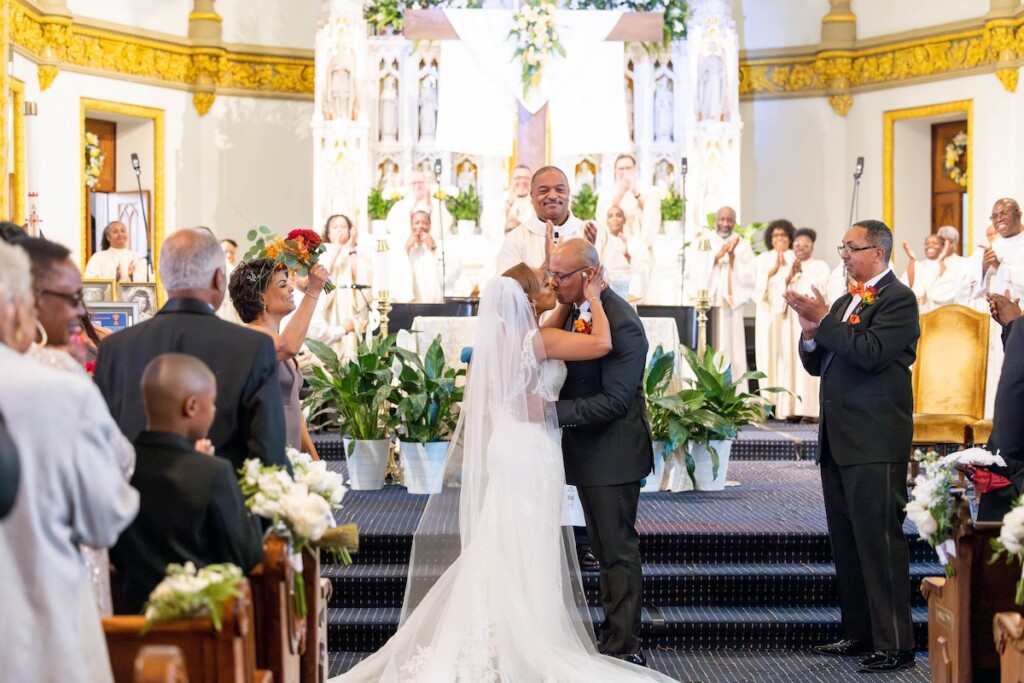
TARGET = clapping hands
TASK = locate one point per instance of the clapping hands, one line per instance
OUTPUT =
(811, 309)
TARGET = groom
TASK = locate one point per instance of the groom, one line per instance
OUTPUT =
(606, 443)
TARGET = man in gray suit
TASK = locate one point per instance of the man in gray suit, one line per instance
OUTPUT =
(863, 349)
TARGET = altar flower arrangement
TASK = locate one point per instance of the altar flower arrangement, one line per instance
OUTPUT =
(378, 205)
(671, 206)
(93, 160)
(465, 205)
(1011, 542)
(186, 592)
(533, 27)
(955, 150)
(298, 251)
(931, 509)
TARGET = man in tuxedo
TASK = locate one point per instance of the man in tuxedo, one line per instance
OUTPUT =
(250, 411)
(606, 443)
(210, 523)
(863, 349)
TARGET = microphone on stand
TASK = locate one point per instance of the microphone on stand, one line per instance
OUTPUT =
(683, 168)
(440, 225)
(145, 220)
(858, 171)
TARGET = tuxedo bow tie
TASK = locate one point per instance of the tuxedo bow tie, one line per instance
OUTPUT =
(857, 289)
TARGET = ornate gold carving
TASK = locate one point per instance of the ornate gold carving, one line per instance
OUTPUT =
(841, 103)
(1008, 77)
(57, 41)
(47, 72)
(18, 203)
(203, 101)
(966, 107)
(157, 219)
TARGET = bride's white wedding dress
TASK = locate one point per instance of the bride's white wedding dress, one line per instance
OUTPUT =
(510, 606)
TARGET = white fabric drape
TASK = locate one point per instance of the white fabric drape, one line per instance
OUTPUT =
(481, 82)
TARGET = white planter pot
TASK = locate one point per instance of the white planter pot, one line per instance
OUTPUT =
(703, 473)
(379, 227)
(672, 228)
(654, 479)
(465, 227)
(423, 466)
(367, 463)
(676, 478)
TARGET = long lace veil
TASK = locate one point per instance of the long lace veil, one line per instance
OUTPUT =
(505, 395)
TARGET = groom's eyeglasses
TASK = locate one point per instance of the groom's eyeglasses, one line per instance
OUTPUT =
(562, 277)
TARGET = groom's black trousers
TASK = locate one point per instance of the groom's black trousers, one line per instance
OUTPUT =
(611, 524)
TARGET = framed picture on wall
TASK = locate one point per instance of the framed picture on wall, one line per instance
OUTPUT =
(97, 290)
(142, 292)
(114, 316)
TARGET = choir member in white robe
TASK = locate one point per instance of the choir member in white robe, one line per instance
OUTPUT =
(943, 289)
(549, 190)
(770, 272)
(423, 263)
(116, 261)
(641, 207)
(399, 220)
(227, 309)
(71, 490)
(729, 289)
(923, 276)
(507, 211)
(805, 273)
(625, 260)
(351, 271)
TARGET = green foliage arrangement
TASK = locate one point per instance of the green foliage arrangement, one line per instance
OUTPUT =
(675, 12)
(185, 593)
(465, 206)
(428, 393)
(672, 206)
(584, 203)
(377, 205)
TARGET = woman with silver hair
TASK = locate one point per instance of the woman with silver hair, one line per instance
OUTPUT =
(72, 491)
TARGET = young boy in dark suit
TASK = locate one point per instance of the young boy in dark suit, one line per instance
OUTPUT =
(191, 507)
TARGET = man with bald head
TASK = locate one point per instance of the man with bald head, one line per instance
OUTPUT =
(527, 243)
(730, 286)
(209, 523)
(606, 445)
(250, 415)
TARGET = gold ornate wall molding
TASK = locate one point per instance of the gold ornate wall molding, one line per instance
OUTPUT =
(992, 46)
(157, 217)
(58, 43)
(890, 119)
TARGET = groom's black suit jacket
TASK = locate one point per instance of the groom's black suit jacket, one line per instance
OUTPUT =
(867, 400)
(605, 437)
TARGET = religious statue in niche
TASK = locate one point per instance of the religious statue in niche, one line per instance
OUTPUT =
(629, 103)
(585, 174)
(663, 110)
(711, 79)
(428, 107)
(465, 175)
(389, 109)
(663, 175)
(339, 100)
(388, 177)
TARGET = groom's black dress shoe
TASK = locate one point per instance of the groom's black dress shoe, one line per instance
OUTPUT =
(588, 563)
(638, 657)
(843, 648)
(888, 660)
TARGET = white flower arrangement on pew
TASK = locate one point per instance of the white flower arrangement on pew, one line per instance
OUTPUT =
(186, 593)
(1011, 542)
(931, 509)
(303, 504)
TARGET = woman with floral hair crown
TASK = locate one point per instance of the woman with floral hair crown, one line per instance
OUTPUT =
(262, 293)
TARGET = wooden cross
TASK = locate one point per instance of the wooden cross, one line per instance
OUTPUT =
(532, 129)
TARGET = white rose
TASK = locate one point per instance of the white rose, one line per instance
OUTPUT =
(1012, 533)
(922, 518)
(309, 514)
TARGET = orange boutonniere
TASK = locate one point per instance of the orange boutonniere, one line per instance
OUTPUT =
(869, 296)
(853, 319)
(582, 324)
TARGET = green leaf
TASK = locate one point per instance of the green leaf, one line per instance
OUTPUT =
(251, 235)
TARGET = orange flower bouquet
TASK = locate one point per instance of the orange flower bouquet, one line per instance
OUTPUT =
(299, 251)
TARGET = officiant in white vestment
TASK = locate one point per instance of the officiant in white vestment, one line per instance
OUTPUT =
(116, 260)
(399, 224)
(730, 287)
(805, 274)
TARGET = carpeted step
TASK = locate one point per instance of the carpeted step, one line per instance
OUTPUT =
(735, 666)
(709, 585)
(683, 628)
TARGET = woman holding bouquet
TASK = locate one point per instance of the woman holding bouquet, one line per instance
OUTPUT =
(262, 293)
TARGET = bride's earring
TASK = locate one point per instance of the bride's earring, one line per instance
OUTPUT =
(42, 335)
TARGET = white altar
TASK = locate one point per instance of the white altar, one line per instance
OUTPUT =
(386, 106)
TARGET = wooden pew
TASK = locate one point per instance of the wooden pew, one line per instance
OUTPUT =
(1008, 630)
(318, 594)
(160, 664)
(961, 608)
(211, 656)
(280, 634)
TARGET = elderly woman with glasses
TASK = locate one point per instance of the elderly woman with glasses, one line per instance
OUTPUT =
(72, 491)
(57, 340)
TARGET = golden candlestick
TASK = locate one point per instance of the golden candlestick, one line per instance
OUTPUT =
(702, 302)
(384, 306)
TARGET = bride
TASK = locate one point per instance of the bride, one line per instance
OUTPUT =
(494, 590)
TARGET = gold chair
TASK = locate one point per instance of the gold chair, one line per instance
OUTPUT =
(982, 431)
(949, 375)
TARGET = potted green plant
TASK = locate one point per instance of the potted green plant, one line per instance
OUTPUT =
(465, 209)
(584, 203)
(672, 212)
(377, 207)
(361, 392)
(657, 379)
(712, 422)
(428, 392)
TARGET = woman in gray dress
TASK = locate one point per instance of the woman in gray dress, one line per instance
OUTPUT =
(263, 297)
